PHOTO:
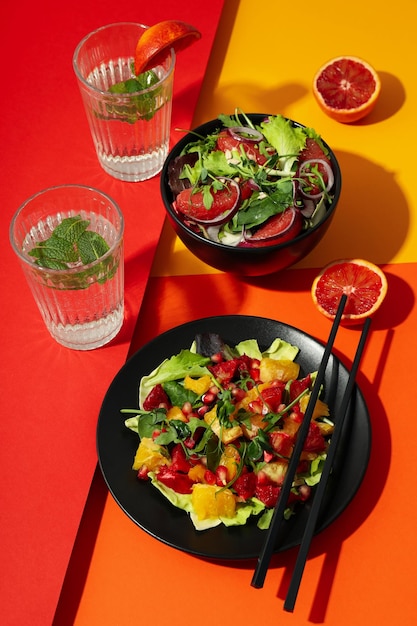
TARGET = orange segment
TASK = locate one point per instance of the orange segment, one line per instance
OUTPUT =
(364, 283)
(346, 88)
(158, 39)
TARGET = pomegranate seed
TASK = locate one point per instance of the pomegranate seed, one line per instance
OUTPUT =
(202, 410)
(156, 433)
(208, 398)
(221, 475)
(189, 443)
(238, 394)
(214, 390)
(217, 358)
(187, 408)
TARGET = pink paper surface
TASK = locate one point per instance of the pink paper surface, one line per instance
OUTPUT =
(51, 395)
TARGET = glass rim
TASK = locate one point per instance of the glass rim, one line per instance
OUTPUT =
(71, 270)
(103, 92)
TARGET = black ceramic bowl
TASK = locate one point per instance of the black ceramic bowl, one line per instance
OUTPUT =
(246, 261)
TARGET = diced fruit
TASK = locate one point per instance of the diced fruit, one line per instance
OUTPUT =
(210, 501)
(320, 409)
(282, 443)
(245, 485)
(175, 413)
(314, 441)
(150, 455)
(230, 459)
(177, 481)
(227, 435)
(179, 461)
(197, 473)
(275, 471)
(268, 494)
(278, 369)
(155, 398)
(198, 385)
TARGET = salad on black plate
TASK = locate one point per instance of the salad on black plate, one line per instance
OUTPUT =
(217, 425)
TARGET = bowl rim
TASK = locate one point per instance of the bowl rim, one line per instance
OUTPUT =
(209, 127)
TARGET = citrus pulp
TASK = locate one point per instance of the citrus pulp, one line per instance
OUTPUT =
(346, 88)
(364, 283)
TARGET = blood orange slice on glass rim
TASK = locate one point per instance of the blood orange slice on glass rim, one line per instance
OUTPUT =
(346, 88)
(363, 282)
(158, 39)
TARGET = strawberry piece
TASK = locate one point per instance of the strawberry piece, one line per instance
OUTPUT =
(225, 371)
(268, 494)
(245, 485)
(298, 386)
(314, 441)
(282, 443)
(179, 461)
(272, 396)
(155, 398)
(177, 481)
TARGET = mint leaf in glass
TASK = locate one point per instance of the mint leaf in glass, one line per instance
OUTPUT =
(91, 246)
(143, 106)
(71, 228)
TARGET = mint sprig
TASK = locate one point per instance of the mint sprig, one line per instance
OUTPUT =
(143, 106)
(72, 246)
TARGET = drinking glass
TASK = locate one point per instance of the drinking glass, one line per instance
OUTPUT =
(81, 302)
(130, 131)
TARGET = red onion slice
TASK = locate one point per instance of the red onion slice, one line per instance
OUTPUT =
(328, 170)
(245, 133)
(227, 215)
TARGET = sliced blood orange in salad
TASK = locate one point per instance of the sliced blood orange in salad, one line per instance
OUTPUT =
(363, 282)
(282, 173)
(346, 88)
(157, 40)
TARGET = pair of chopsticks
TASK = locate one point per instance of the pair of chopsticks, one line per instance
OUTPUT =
(268, 547)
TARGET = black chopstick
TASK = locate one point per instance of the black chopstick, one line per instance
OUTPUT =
(321, 487)
(268, 547)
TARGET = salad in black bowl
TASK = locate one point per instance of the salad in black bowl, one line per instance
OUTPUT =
(251, 194)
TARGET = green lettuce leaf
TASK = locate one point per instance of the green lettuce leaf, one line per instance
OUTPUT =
(288, 140)
(176, 368)
(183, 501)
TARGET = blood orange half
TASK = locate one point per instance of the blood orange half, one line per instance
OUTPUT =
(154, 44)
(346, 88)
(364, 283)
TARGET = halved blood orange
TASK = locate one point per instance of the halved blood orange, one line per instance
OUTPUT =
(156, 41)
(346, 88)
(364, 283)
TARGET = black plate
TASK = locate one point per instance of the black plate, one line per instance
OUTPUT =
(144, 504)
